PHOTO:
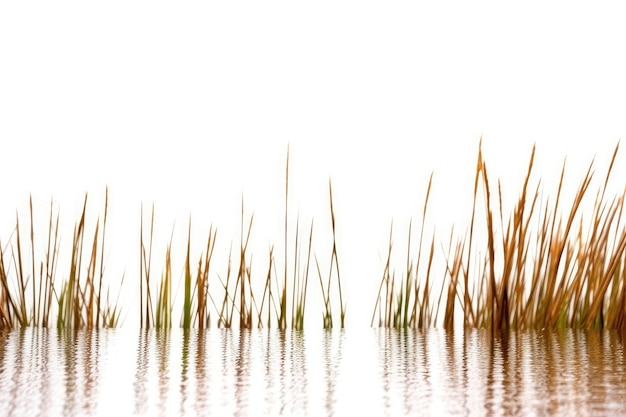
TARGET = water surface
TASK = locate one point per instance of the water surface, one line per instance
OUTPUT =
(268, 372)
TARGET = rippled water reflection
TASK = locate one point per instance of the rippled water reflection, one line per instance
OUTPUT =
(267, 372)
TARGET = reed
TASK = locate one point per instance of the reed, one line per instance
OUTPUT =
(301, 283)
(145, 266)
(187, 300)
(335, 257)
(154, 312)
(300, 274)
(327, 314)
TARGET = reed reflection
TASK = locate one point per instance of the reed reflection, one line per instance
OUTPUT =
(68, 353)
(226, 344)
(91, 368)
(332, 363)
(282, 378)
(184, 372)
(141, 372)
(504, 375)
(412, 365)
(43, 374)
(405, 370)
(385, 349)
(556, 358)
(299, 373)
(456, 374)
(276, 373)
(163, 339)
(226, 372)
(18, 372)
(79, 350)
(604, 356)
(153, 351)
(202, 370)
(269, 359)
(242, 373)
(4, 342)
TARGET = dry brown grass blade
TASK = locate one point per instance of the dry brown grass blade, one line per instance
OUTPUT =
(494, 298)
(454, 272)
(202, 281)
(224, 318)
(335, 256)
(605, 279)
(187, 303)
(89, 285)
(295, 273)
(467, 304)
(145, 267)
(35, 307)
(51, 260)
(303, 293)
(267, 292)
(100, 279)
(383, 282)
(9, 308)
(425, 313)
(22, 315)
(424, 301)
(282, 319)
(558, 243)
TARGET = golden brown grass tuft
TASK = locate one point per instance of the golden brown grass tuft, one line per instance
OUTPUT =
(565, 272)
(28, 289)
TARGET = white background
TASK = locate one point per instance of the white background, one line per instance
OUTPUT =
(191, 106)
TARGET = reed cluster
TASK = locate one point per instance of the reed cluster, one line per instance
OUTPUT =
(29, 292)
(548, 266)
(274, 299)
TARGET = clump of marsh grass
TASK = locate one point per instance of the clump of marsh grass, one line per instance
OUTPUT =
(243, 285)
(566, 284)
(407, 303)
(15, 308)
(80, 302)
(277, 298)
(28, 289)
(567, 272)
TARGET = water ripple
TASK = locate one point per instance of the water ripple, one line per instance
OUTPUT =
(269, 372)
